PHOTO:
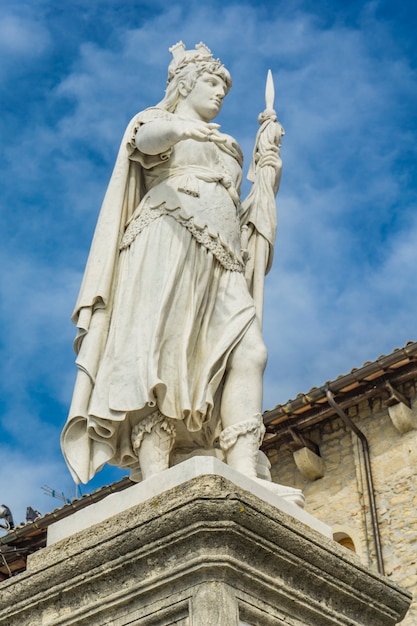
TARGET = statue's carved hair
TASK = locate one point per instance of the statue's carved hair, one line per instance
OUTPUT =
(186, 73)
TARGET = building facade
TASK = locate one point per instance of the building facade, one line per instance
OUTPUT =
(351, 446)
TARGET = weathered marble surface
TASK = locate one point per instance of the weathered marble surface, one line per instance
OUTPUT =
(205, 552)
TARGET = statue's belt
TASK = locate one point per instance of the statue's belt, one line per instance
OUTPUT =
(189, 175)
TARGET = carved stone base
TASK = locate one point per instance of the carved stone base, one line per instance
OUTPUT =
(204, 552)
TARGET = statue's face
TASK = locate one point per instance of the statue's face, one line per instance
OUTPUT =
(206, 97)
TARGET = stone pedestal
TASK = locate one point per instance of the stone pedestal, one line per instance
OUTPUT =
(208, 548)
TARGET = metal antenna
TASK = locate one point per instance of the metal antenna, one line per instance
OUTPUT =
(56, 494)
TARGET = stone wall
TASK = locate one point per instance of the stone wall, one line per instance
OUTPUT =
(340, 497)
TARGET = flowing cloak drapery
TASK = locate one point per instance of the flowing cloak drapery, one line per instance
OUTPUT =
(158, 320)
(93, 308)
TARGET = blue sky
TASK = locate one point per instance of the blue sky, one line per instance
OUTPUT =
(342, 289)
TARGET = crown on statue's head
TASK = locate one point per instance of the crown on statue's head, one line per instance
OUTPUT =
(181, 57)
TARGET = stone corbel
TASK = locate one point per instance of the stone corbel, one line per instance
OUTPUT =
(309, 464)
(400, 411)
(306, 455)
(403, 418)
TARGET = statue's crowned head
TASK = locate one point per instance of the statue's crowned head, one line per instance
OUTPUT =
(186, 66)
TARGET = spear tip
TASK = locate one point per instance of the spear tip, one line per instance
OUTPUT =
(269, 91)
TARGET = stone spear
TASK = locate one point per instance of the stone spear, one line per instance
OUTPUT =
(259, 216)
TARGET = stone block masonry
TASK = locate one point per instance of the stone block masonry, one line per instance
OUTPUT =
(204, 552)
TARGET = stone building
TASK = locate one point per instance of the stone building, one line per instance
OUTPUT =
(351, 446)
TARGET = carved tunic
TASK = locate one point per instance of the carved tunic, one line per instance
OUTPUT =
(196, 183)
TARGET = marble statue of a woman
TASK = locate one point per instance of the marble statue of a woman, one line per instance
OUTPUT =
(170, 350)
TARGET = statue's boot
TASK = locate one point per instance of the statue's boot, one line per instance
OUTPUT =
(152, 440)
(240, 442)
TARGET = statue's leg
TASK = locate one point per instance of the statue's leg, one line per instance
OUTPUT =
(242, 393)
(240, 442)
(152, 440)
(241, 402)
(241, 406)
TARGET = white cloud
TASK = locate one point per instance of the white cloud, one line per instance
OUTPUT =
(37, 303)
(22, 37)
(22, 480)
